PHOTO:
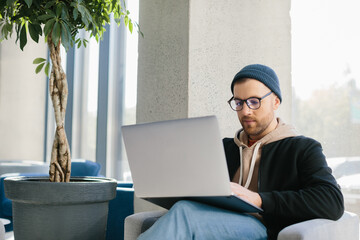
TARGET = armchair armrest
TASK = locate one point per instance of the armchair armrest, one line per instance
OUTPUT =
(139, 222)
(347, 227)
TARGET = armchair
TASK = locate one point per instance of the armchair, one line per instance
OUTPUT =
(347, 227)
(2, 231)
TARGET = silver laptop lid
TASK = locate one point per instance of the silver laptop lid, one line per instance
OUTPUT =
(177, 158)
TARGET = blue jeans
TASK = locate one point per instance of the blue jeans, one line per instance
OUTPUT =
(192, 220)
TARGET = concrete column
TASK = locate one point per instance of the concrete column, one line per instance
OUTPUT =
(163, 65)
(192, 50)
(223, 38)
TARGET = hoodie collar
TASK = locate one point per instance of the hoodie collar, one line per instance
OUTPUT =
(281, 131)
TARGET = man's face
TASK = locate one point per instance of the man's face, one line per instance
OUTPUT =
(256, 123)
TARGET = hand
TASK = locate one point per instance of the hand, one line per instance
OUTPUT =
(246, 194)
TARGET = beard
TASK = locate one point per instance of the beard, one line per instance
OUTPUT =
(256, 128)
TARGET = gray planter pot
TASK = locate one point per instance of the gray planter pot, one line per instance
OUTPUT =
(67, 211)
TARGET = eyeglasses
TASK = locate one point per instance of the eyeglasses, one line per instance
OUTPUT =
(252, 102)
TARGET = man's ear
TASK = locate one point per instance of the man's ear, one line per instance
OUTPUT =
(276, 102)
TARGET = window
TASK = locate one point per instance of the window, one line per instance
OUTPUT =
(326, 81)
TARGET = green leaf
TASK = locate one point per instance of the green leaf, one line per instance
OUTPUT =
(6, 31)
(82, 11)
(23, 37)
(75, 13)
(107, 18)
(45, 17)
(39, 60)
(34, 31)
(49, 4)
(66, 26)
(10, 2)
(56, 33)
(58, 10)
(50, 12)
(130, 26)
(38, 68)
(86, 16)
(48, 26)
(126, 20)
(65, 12)
(47, 67)
(138, 29)
(17, 29)
(9, 27)
(65, 36)
(28, 2)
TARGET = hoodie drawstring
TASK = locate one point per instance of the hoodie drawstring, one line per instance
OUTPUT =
(252, 165)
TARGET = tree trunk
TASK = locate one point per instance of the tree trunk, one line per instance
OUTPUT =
(60, 165)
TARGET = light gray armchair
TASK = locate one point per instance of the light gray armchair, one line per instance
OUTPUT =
(347, 227)
(2, 231)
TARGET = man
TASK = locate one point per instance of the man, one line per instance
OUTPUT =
(269, 164)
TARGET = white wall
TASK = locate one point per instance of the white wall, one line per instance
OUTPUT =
(22, 101)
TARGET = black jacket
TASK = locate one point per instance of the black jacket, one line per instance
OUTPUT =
(295, 183)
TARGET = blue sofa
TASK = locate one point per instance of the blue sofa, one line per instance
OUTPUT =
(119, 208)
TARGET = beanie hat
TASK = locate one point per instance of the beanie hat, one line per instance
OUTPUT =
(261, 73)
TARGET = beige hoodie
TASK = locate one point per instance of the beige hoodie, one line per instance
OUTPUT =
(250, 156)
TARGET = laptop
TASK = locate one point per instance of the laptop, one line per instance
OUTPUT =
(181, 159)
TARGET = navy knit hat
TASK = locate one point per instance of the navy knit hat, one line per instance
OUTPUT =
(261, 73)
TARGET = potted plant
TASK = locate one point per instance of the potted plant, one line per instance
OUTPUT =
(59, 21)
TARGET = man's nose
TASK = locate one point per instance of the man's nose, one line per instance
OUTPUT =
(245, 110)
